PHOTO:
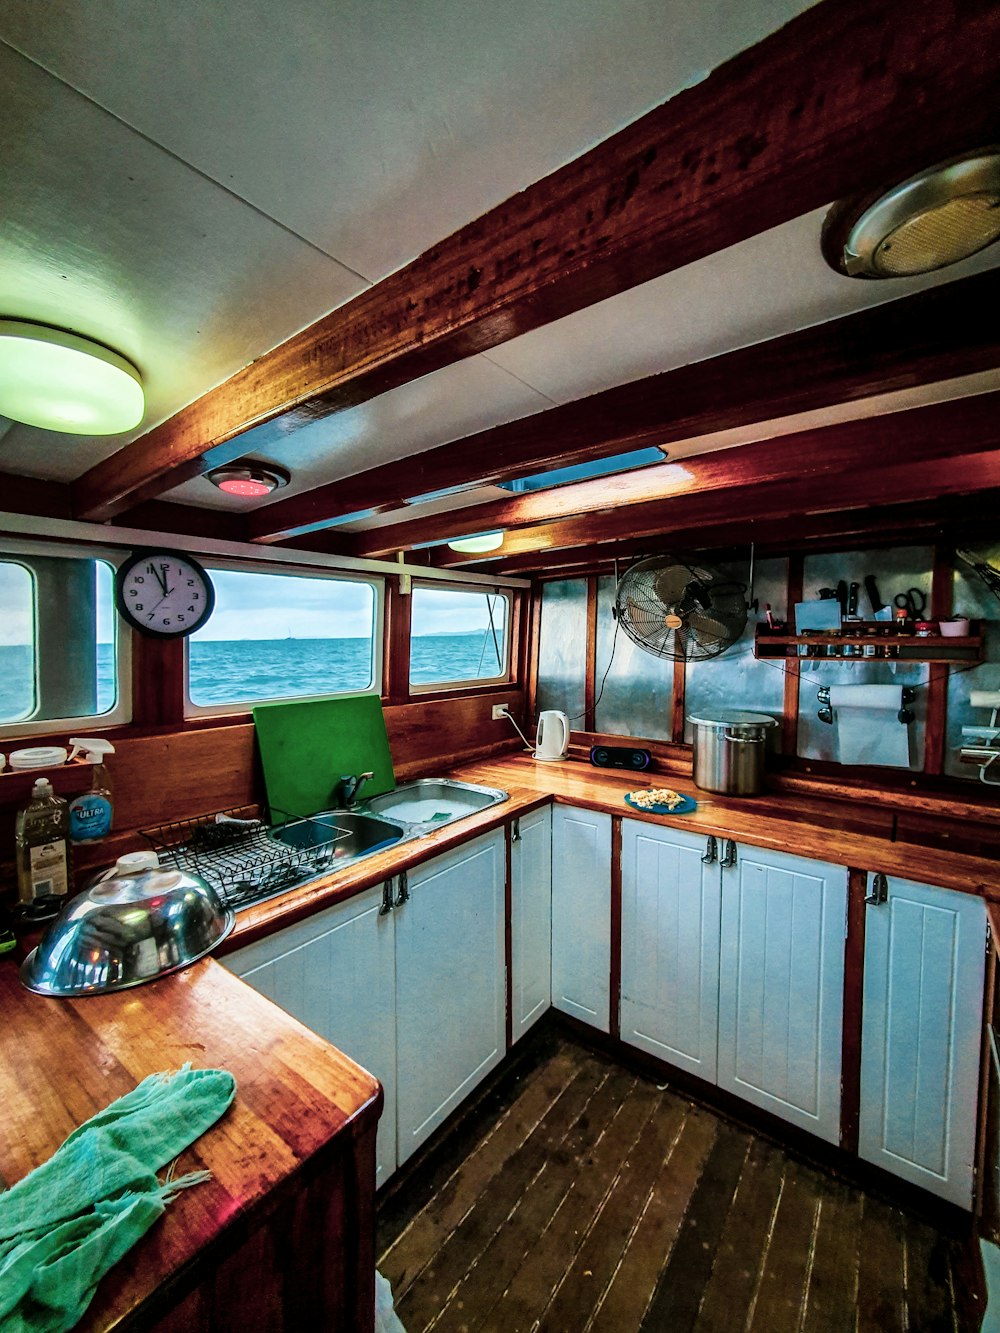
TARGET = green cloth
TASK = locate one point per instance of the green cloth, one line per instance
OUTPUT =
(72, 1218)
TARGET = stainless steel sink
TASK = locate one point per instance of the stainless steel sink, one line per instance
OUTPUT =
(348, 834)
(428, 803)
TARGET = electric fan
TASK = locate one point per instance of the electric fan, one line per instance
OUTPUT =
(678, 610)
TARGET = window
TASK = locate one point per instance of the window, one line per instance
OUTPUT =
(59, 652)
(457, 635)
(285, 636)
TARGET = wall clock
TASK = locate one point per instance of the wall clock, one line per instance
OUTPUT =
(166, 593)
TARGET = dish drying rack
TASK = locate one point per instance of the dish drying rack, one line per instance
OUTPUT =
(236, 853)
(981, 745)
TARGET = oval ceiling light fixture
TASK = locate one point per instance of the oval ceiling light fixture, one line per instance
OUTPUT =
(249, 480)
(934, 219)
(482, 541)
(60, 381)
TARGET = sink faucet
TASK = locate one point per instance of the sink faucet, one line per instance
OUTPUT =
(348, 787)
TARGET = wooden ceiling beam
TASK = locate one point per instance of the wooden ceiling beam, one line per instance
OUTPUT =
(847, 95)
(770, 504)
(920, 339)
(921, 433)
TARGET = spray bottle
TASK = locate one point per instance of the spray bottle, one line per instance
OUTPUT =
(90, 815)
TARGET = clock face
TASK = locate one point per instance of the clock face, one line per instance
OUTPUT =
(166, 593)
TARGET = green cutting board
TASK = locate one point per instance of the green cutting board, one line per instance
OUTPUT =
(306, 747)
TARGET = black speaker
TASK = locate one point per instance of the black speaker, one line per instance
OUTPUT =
(619, 756)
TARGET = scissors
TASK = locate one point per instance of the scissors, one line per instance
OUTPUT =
(913, 602)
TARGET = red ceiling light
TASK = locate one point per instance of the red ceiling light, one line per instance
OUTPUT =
(249, 480)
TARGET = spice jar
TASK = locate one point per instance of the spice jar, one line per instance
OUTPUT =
(924, 629)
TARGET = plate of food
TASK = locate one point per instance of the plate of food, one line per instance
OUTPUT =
(660, 801)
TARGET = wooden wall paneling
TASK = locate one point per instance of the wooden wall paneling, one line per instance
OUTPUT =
(590, 658)
(854, 967)
(839, 100)
(936, 729)
(533, 646)
(445, 731)
(790, 712)
(158, 680)
(396, 640)
(678, 709)
(814, 465)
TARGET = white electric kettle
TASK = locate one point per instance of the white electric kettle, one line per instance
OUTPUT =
(552, 737)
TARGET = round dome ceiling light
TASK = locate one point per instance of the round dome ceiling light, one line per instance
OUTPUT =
(60, 381)
(934, 219)
(483, 541)
(250, 481)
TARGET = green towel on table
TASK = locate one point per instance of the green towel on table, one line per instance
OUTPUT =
(67, 1222)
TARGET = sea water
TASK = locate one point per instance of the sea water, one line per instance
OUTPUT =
(247, 670)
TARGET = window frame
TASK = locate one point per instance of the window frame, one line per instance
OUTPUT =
(470, 683)
(17, 550)
(245, 706)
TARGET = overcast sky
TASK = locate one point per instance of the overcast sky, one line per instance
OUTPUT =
(267, 606)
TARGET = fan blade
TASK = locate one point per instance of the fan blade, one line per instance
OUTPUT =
(702, 623)
(671, 584)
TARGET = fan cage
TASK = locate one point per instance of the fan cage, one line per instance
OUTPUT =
(680, 611)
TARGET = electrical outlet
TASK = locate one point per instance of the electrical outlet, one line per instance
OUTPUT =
(499, 711)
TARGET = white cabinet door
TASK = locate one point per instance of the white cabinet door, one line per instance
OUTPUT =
(781, 986)
(921, 1024)
(334, 972)
(450, 984)
(530, 919)
(670, 946)
(581, 914)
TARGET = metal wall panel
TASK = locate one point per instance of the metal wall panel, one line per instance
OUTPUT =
(895, 571)
(972, 598)
(737, 679)
(638, 693)
(562, 648)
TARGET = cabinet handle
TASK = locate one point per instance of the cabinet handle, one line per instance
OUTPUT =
(711, 851)
(386, 907)
(880, 890)
(729, 860)
(515, 830)
(403, 896)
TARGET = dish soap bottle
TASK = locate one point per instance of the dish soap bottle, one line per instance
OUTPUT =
(90, 815)
(40, 834)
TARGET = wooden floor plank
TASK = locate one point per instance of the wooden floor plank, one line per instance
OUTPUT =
(549, 1251)
(595, 1263)
(623, 1304)
(778, 1301)
(681, 1284)
(561, 1130)
(881, 1305)
(410, 1252)
(831, 1296)
(738, 1260)
(929, 1302)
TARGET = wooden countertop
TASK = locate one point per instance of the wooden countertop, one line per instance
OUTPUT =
(63, 1060)
(855, 835)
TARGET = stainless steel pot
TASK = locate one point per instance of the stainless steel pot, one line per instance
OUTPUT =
(729, 751)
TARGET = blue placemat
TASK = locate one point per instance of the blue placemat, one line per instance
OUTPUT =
(688, 803)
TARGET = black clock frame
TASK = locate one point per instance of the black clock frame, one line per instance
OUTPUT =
(151, 553)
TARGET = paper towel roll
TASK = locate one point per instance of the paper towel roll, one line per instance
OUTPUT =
(984, 698)
(868, 729)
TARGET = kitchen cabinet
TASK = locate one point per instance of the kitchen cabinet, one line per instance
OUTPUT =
(733, 968)
(581, 914)
(530, 919)
(335, 972)
(670, 946)
(450, 984)
(415, 994)
(921, 1029)
(781, 985)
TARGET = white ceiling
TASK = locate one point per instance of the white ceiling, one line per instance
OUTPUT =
(193, 182)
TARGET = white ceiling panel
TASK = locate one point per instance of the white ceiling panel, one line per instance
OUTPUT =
(768, 285)
(106, 234)
(376, 127)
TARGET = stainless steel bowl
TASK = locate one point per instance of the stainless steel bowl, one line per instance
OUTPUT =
(126, 930)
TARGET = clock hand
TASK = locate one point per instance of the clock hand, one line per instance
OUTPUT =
(160, 578)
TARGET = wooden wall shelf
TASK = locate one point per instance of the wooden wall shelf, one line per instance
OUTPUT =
(888, 647)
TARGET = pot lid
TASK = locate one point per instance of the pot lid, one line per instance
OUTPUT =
(732, 717)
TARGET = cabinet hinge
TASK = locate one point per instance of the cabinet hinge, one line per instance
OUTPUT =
(729, 860)
(515, 830)
(711, 850)
(403, 896)
(880, 890)
(386, 907)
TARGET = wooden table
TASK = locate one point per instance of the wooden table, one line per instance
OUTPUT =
(282, 1237)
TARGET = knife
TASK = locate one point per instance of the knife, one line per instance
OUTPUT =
(871, 587)
(842, 596)
(852, 601)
